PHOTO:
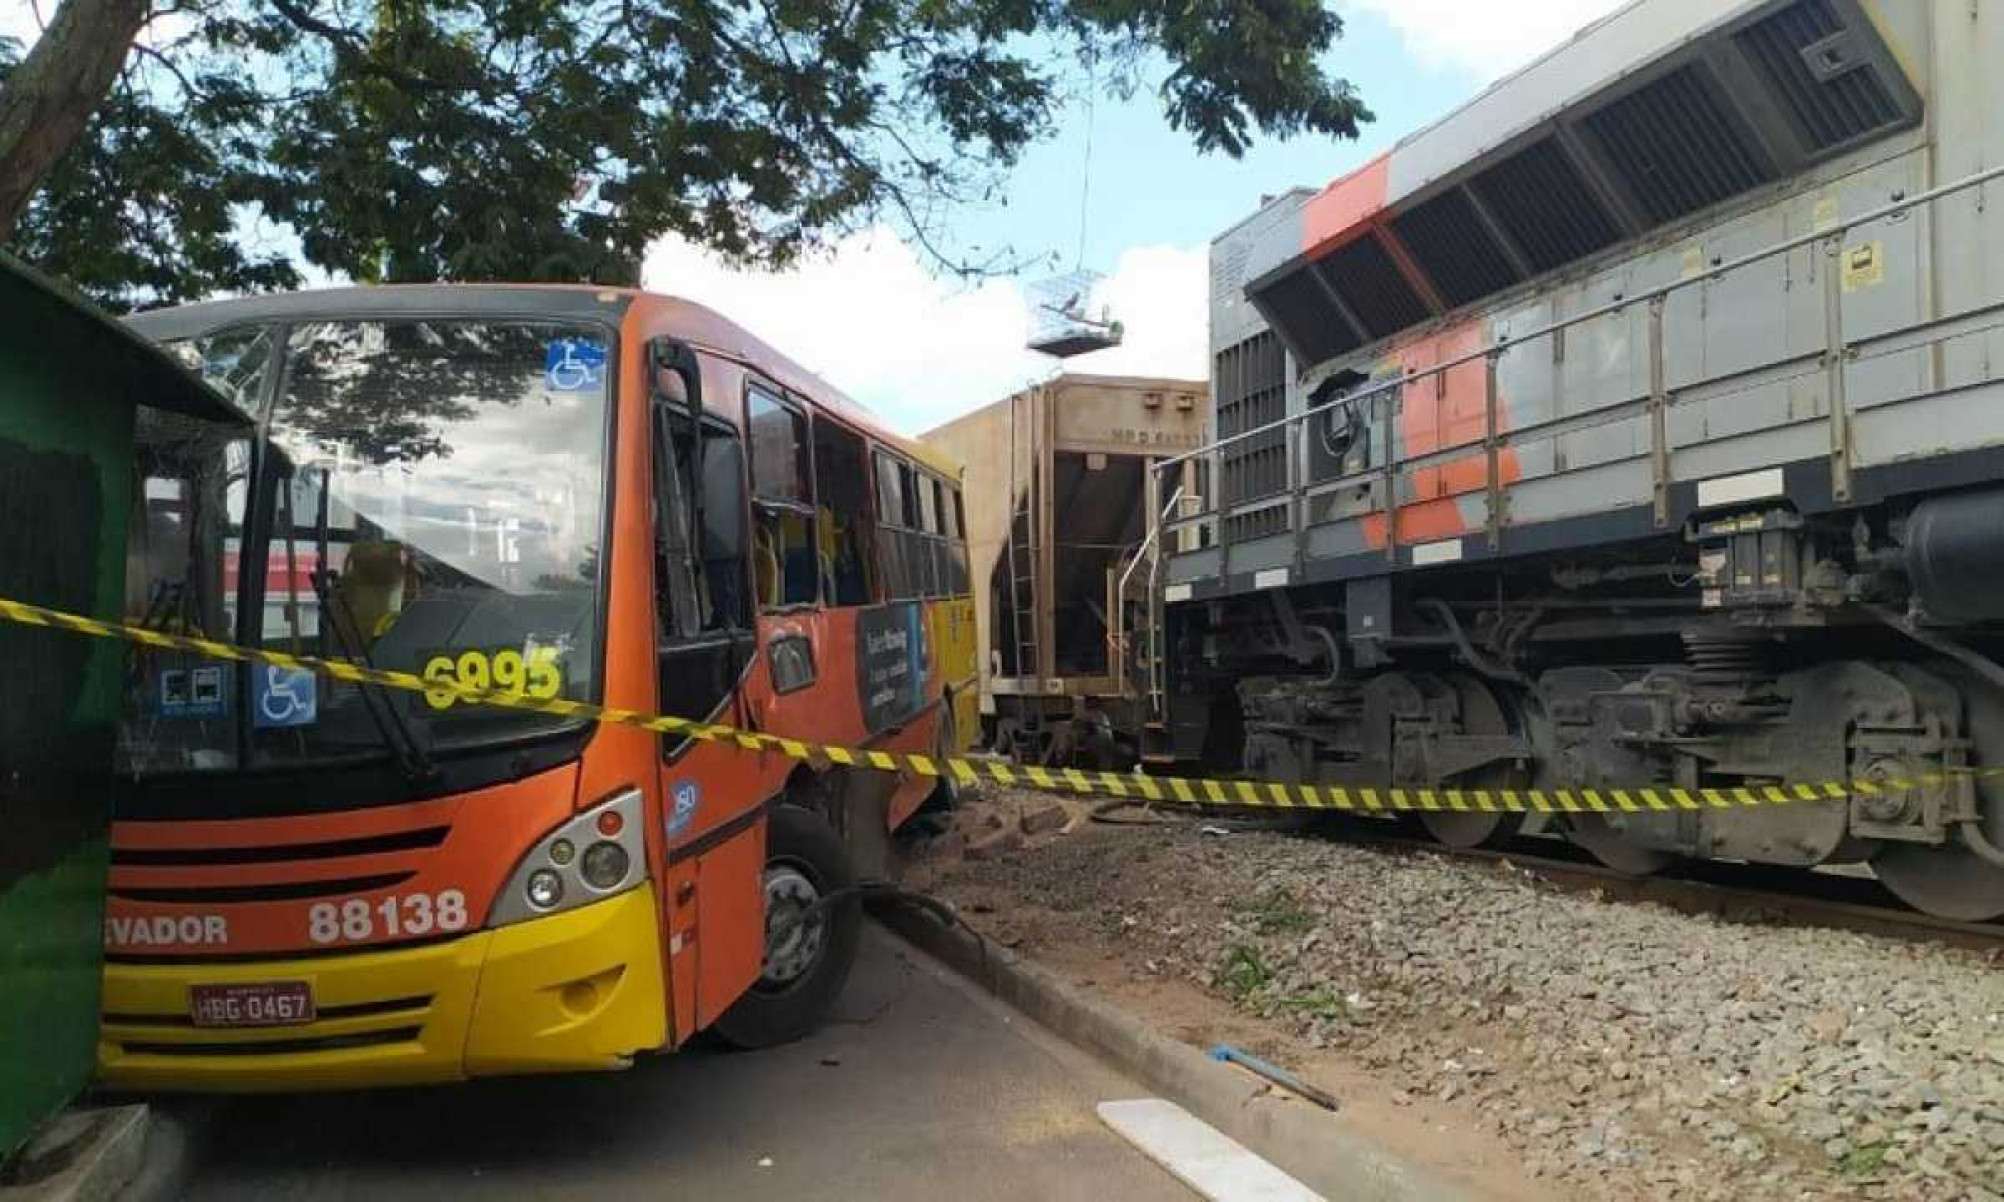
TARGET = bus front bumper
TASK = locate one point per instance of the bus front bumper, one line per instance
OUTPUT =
(577, 990)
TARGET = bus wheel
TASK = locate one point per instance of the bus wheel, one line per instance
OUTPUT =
(813, 922)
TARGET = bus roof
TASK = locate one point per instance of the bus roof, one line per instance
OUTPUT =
(700, 325)
(706, 328)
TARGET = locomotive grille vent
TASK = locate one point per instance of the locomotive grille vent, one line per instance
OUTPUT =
(1454, 248)
(1805, 75)
(1257, 524)
(1297, 303)
(1542, 203)
(1364, 275)
(1251, 387)
(1677, 146)
(1827, 88)
(1251, 378)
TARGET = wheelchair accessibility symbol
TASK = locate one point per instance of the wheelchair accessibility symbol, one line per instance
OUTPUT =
(283, 696)
(574, 365)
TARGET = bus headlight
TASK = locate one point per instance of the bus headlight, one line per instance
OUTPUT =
(604, 865)
(555, 876)
(544, 890)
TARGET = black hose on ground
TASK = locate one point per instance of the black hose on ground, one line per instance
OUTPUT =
(1180, 815)
(942, 912)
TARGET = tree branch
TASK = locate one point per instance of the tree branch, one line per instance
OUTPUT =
(48, 100)
(187, 86)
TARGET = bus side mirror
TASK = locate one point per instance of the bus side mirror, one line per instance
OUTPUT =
(672, 361)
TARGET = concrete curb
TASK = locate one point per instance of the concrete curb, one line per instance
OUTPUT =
(1306, 1141)
(93, 1155)
(173, 1147)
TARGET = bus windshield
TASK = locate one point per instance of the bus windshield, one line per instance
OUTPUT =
(428, 498)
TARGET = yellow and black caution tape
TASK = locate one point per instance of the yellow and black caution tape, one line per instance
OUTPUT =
(1172, 790)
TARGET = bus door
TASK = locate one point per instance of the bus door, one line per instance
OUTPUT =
(713, 793)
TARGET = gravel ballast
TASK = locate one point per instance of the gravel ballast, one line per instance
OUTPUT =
(1626, 1049)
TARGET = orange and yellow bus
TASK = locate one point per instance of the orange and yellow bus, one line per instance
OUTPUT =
(584, 493)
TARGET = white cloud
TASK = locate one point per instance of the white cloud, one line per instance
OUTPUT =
(919, 350)
(1485, 38)
(17, 20)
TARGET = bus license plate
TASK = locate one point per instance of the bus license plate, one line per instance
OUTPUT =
(263, 1004)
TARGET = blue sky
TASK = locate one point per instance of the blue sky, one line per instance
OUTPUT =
(873, 318)
(1150, 186)
(920, 349)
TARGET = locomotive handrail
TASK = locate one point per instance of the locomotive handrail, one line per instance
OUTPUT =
(1645, 297)
(1116, 617)
(1152, 631)
(1154, 533)
(1981, 320)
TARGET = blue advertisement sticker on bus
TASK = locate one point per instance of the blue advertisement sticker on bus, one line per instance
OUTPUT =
(283, 697)
(574, 365)
(890, 663)
(687, 799)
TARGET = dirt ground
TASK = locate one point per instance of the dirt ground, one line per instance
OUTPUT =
(1444, 1136)
(1524, 1042)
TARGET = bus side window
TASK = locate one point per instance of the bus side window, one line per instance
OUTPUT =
(846, 530)
(918, 564)
(784, 566)
(934, 548)
(894, 564)
(956, 536)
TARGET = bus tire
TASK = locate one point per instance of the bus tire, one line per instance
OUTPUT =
(806, 963)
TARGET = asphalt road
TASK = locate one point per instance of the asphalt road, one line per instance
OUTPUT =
(921, 1088)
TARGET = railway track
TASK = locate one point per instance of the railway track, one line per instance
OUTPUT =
(1737, 892)
(1730, 890)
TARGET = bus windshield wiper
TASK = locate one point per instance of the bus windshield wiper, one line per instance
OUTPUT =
(382, 709)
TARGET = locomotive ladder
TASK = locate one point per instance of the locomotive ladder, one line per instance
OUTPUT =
(1022, 550)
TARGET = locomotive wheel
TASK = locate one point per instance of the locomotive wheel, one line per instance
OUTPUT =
(1949, 880)
(1481, 714)
(1008, 742)
(1606, 844)
(1601, 840)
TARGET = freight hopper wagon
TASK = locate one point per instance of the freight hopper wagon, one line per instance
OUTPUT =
(1058, 491)
(1638, 425)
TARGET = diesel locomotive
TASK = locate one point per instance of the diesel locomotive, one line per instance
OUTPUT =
(1639, 424)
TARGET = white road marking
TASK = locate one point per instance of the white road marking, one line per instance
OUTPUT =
(1201, 1156)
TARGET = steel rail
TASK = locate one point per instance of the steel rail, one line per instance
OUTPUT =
(1722, 885)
